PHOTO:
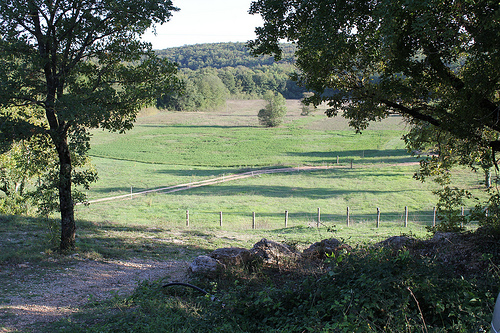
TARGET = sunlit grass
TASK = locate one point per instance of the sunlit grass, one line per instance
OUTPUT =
(368, 171)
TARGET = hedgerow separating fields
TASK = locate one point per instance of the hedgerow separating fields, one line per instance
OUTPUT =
(169, 148)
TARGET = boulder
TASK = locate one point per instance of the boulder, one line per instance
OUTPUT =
(325, 248)
(443, 237)
(205, 265)
(396, 242)
(231, 256)
(272, 252)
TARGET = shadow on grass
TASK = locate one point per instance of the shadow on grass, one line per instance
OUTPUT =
(218, 172)
(26, 238)
(423, 217)
(29, 239)
(200, 126)
(367, 156)
(111, 240)
(283, 191)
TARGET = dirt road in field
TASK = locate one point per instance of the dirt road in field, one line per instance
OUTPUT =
(227, 178)
(217, 180)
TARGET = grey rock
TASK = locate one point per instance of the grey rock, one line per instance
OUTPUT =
(271, 251)
(396, 242)
(231, 256)
(443, 237)
(205, 265)
(325, 248)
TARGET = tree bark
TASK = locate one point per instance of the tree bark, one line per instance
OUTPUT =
(68, 227)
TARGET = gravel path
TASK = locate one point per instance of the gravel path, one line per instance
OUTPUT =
(42, 295)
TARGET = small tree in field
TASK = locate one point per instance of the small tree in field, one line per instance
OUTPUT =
(306, 107)
(274, 112)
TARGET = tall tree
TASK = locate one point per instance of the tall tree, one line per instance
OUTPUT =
(435, 62)
(77, 65)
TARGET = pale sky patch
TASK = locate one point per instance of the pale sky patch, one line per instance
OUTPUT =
(206, 21)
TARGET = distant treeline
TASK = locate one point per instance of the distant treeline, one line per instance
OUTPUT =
(220, 55)
(211, 73)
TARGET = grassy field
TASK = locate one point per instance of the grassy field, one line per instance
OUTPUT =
(169, 148)
(366, 172)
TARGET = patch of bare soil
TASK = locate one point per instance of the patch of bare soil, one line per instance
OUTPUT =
(43, 294)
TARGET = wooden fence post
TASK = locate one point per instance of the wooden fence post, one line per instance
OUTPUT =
(286, 218)
(338, 159)
(462, 220)
(319, 217)
(434, 216)
(253, 220)
(348, 216)
(378, 217)
(220, 219)
(187, 218)
(406, 216)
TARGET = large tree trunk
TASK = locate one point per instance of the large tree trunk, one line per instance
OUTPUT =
(68, 226)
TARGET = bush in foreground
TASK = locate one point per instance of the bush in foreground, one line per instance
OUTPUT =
(364, 290)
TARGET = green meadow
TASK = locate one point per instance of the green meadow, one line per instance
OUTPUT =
(366, 171)
(361, 172)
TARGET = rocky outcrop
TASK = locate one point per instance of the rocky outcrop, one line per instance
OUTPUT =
(272, 252)
(396, 242)
(326, 247)
(205, 265)
(231, 256)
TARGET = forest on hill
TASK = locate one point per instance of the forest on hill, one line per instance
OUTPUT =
(212, 73)
(220, 55)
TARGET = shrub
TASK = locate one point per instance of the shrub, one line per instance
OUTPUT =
(274, 112)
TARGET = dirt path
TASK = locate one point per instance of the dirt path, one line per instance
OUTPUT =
(222, 179)
(42, 295)
(217, 180)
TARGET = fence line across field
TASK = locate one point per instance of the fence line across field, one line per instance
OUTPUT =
(349, 219)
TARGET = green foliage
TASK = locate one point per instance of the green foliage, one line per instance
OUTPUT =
(488, 214)
(13, 205)
(275, 110)
(306, 108)
(203, 90)
(367, 290)
(221, 55)
(374, 290)
(207, 88)
(369, 60)
(73, 66)
(449, 209)
(243, 75)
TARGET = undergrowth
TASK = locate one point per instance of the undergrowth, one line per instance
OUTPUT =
(362, 290)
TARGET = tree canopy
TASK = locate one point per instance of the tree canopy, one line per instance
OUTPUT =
(69, 66)
(435, 62)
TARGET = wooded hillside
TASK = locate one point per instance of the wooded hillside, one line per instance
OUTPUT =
(211, 73)
(220, 55)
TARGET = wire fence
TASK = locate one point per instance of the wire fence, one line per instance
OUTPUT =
(286, 219)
